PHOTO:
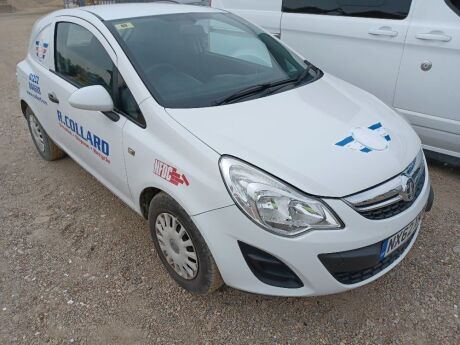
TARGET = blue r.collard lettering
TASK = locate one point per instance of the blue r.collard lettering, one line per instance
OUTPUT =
(92, 139)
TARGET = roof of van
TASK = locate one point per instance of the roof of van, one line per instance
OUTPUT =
(132, 10)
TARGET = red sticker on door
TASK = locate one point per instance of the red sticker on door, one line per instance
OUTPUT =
(169, 173)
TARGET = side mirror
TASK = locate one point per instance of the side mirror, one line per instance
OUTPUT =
(95, 98)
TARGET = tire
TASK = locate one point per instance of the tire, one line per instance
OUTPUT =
(43, 143)
(206, 277)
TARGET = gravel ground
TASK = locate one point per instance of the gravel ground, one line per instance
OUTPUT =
(77, 265)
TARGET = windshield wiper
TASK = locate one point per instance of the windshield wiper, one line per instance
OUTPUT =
(298, 80)
(305, 73)
(251, 90)
(255, 89)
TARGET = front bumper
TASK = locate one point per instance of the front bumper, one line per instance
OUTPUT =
(225, 228)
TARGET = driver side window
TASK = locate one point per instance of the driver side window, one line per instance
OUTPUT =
(82, 60)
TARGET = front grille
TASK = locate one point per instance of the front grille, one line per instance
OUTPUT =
(367, 258)
(394, 196)
(396, 208)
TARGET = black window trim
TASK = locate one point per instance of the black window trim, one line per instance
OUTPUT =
(283, 10)
(116, 92)
(453, 7)
(115, 113)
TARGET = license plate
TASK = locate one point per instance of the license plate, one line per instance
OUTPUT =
(396, 241)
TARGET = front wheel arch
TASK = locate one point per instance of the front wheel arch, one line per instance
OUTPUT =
(145, 198)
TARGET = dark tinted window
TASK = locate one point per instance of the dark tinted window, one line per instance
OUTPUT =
(82, 60)
(385, 9)
(125, 102)
(454, 5)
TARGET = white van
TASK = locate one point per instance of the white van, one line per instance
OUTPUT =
(406, 52)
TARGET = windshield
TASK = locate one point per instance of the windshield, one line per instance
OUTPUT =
(193, 60)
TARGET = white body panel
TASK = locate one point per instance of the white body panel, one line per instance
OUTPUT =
(292, 135)
(167, 141)
(388, 65)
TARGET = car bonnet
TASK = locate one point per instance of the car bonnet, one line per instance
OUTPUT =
(327, 138)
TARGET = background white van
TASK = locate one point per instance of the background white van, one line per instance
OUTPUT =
(406, 52)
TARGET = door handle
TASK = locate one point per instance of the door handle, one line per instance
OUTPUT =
(432, 36)
(384, 31)
(52, 97)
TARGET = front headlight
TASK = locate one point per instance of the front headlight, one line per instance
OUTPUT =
(272, 204)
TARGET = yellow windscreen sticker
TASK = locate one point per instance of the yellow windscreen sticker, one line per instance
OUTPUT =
(124, 26)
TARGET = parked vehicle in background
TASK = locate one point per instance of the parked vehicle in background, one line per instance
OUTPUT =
(405, 52)
(81, 3)
(195, 2)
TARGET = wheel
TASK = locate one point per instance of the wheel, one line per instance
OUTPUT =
(45, 146)
(181, 247)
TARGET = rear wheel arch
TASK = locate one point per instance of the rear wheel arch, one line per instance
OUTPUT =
(24, 107)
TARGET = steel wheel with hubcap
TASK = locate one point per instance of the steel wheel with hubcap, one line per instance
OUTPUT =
(180, 246)
(44, 144)
(176, 245)
(37, 133)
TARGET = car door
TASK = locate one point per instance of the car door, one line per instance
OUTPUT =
(429, 81)
(360, 41)
(82, 57)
